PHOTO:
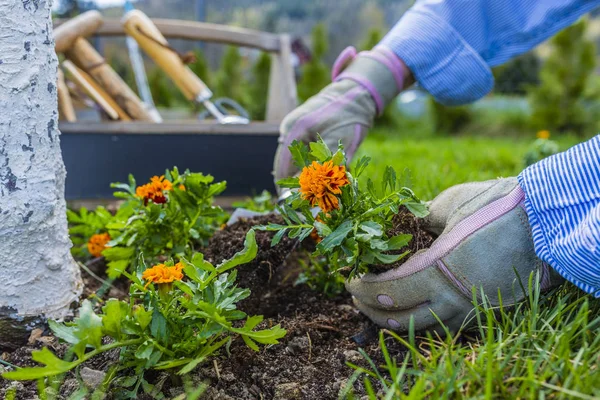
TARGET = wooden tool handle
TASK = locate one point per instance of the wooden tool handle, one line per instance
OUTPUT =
(65, 104)
(143, 30)
(82, 25)
(92, 89)
(83, 54)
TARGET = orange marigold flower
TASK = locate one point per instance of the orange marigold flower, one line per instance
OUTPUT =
(163, 274)
(543, 134)
(97, 244)
(320, 183)
(181, 187)
(155, 190)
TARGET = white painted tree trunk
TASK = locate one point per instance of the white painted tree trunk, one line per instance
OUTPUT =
(38, 276)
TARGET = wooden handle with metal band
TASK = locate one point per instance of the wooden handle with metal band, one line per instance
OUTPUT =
(83, 54)
(82, 25)
(149, 38)
(66, 111)
(96, 93)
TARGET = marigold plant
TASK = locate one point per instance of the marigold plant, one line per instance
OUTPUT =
(156, 190)
(171, 216)
(162, 273)
(320, 184)
(97, 244)
(543, 134)
(351, 216)
(178, 329)
(541, 148)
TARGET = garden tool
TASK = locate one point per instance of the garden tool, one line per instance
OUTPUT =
(139, 72)
(94, 91)
(65, 103)
(151, 40)
(70, 39)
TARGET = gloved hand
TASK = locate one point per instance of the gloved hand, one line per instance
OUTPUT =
(362, 86)
(484, 236)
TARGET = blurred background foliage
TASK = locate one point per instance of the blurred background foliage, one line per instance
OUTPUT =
(554, 87)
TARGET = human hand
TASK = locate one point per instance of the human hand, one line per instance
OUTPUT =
(363, 84)
(484, 241)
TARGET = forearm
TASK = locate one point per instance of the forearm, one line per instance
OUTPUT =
(449, 46)
(563, 206)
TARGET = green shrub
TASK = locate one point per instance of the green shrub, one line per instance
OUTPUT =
(315, 74)
(230, 80)
(562, 101)
(259, 87)
(514, 76)
(449, 119)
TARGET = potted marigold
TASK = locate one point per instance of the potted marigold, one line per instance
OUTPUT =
(358, 226)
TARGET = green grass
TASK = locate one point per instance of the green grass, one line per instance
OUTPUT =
(546, 347)
(436, 163)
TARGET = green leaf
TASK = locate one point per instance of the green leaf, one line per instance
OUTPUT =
(389, 179)
(63, 332)
(142, 316)
(53, 366)
(336, 237)
(419, 209)
(241, 257)
(88, 326)
(118, 253)
(277, 238)
(289, 183)
(158, 327)
(299, 153)
(322, 229)
(372, 228)
(116, 268)
(217, 188)
(115, 312)
(360, 166)
(144, 351)
(389, 258)
(398, 242)
(320, 151)
(339, 158)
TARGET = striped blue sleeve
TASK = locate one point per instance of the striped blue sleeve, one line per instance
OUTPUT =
(450, 45)
(562, 199)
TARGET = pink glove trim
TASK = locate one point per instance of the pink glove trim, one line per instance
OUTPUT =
(367, 85)
(452, 278)
(342, 61)
(449, 241)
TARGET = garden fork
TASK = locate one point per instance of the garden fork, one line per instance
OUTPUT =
(151, 40)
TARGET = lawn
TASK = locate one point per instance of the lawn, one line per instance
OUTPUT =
(545, 348)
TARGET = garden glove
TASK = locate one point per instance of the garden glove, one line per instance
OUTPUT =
(484, 242)
(363, 84)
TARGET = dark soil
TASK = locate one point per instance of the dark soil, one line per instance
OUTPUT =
(323, 334)
(406, 222)
(258, 274)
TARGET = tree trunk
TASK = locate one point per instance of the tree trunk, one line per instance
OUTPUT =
(38, 276)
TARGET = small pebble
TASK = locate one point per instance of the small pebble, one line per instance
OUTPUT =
(92, 378)
(352, 356)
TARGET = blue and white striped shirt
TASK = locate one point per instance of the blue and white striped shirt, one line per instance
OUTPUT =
(450, 45)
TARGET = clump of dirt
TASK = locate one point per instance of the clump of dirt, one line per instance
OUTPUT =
(402, 223)
(258, 274)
